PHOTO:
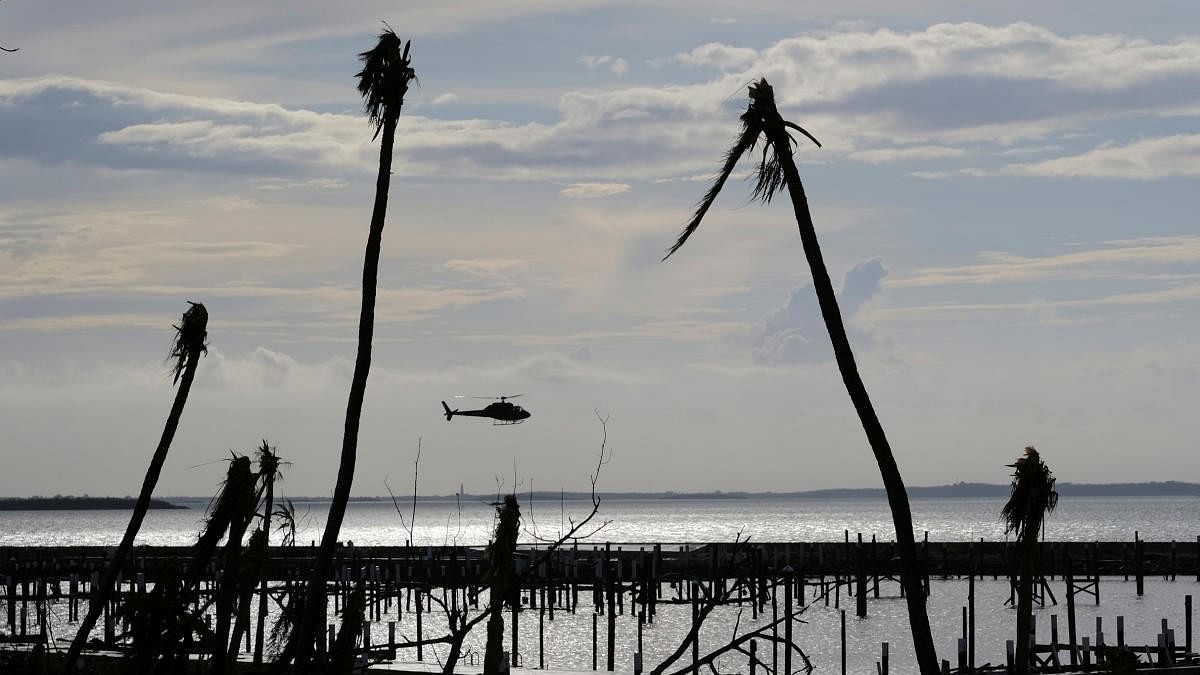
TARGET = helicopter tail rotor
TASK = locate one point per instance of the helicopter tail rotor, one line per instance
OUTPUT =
(449, 412)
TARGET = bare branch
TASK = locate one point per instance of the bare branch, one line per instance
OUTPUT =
(416, 474)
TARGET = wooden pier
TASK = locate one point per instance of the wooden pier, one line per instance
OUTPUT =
(632, 579)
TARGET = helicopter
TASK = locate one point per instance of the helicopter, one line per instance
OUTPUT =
(500, 410)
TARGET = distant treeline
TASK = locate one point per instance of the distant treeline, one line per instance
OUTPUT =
(956, 490)
(61, 503)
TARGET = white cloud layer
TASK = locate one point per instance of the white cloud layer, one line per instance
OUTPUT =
(1177, 155)
(882, 96)
(795, 333)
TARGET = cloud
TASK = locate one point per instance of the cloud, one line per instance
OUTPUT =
(942, 93)
(593, 190)
(906, 154)
(616, 64)
(795, 334)
(1145, 258)
(719, 56)
(489, 267)
(1144, 160)
(271, 184)
(448, 97)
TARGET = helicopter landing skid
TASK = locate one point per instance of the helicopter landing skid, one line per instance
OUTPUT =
(502, 423)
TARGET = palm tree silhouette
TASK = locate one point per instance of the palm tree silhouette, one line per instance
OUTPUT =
(268, 473)
(383, 83)
(190, 336)
(777, 171)
(1033, 496)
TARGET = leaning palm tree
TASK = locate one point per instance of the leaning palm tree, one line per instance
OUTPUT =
(777, 171)
(383, 83)
(268, 473)
(1033, 496)
(189, 345)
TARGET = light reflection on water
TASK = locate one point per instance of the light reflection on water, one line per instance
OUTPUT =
(645, 520)
(568, 639)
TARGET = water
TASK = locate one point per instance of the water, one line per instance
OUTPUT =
(568, 639)
(643, 520)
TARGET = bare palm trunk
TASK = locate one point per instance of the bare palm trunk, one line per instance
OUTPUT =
(910, 577)
(314, 605)
(103, 592)
(1028, 552)
(260, 630)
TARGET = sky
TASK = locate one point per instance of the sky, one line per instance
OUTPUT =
(1005, 197)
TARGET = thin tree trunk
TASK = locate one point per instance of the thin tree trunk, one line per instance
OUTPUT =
(260, 631)
(910, 577)
(1028, 552)
(315, 600)
(102, 593)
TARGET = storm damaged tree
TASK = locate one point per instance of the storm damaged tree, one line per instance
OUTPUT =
(762, 123)
(383, 83)
(502, 576)
(1032, 497)
(165, 624)
(189, 345)
(707, 597)
(268, 473)
(501, 579)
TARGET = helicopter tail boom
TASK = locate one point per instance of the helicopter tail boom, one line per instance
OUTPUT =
(449, 412)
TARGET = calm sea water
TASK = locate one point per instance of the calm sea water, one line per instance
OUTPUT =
(643, 520)
(568, 639)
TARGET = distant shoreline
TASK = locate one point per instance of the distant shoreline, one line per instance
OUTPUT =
(955, 490)
(60, 503)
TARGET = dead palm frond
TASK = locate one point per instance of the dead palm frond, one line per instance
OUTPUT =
(1033, 495)
(286, 515)
(384, 78)
(761, 116)
(190, 336)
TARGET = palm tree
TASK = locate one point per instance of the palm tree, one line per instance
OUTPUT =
(777, 171)
(189, 345)
(1033, 496)
(383, 83)
(268, 473)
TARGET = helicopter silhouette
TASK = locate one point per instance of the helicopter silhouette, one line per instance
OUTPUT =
(500, 410)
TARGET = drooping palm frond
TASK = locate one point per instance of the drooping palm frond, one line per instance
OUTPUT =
(745, 143)
(190, 335)
(1032, 496)
(286, 515)
(761, 118)
(384, 78)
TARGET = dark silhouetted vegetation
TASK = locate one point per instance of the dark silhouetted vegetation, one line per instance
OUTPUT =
(383, 82)
(776, 171)
(61, 503)
(1032, 497)
(189, 344)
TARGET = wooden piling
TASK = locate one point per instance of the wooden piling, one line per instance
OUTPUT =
(1137, 565)
(860, 578)
(1187, 623)
(1071, 613)
(787, 612)
(843, 642)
